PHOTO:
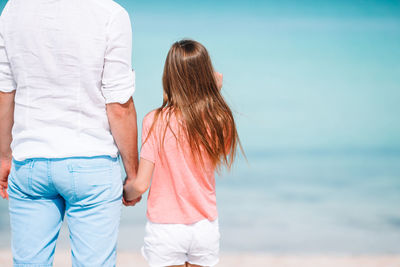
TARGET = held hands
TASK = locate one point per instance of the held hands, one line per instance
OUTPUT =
(5, 167)
(128, 191)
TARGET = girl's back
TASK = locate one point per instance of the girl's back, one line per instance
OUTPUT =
(182, 190)
(183, 142)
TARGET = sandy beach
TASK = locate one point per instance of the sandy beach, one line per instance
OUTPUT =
(125, 258)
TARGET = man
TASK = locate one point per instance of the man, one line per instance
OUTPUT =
(67, 66)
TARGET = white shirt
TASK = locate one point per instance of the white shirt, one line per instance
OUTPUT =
(66, 59)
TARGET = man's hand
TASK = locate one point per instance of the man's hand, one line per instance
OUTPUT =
(5, 167)
(129, 190)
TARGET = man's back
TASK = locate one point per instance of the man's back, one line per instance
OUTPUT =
(67, 65)
(68, 58)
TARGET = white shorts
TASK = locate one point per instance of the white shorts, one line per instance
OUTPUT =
(175, 244)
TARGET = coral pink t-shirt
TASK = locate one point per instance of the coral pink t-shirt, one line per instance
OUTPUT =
(181, 190)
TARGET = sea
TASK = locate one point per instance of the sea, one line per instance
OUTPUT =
(315, 89)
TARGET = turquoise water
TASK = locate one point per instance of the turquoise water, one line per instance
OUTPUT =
(316, 90)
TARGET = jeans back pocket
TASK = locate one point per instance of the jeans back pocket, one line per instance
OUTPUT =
(91, 183)
(20, 178)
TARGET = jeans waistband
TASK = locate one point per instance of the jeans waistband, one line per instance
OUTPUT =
(62, 159)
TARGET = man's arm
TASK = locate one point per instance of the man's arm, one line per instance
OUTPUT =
(118, 86)
(123, 123)
(6, 124)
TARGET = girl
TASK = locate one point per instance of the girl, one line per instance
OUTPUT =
(184, 141)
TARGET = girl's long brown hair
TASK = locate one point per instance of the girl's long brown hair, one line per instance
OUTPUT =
(192, 94)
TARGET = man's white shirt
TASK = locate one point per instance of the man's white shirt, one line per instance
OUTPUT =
(66, 59)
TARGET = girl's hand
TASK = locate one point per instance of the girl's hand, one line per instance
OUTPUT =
(131, 202)
(219, 78)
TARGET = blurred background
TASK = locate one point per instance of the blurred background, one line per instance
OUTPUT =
(315, 87)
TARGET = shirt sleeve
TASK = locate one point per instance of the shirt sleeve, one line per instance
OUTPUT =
(7, 82)
(149, 148)
(118, 81)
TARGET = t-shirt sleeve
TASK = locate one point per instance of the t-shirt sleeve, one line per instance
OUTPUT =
(149, 147)
(7, 82)
(118, 81)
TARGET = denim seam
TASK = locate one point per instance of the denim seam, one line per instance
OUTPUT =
(73, 185)
(50, 173)
(110, 178)
(116, 180)
(110, 173)
(30, 170)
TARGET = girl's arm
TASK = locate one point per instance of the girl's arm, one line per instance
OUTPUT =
(134, 188)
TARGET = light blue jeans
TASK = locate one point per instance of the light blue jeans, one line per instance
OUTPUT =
(87, 190)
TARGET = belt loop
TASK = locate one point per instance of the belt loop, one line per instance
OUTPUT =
(31, 164)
